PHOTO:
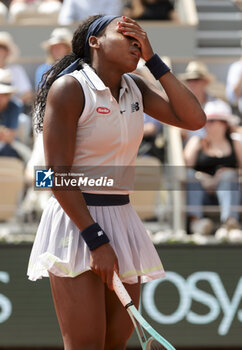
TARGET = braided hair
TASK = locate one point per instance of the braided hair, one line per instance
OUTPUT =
(78, 45)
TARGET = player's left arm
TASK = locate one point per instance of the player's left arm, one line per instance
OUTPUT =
(182, 108)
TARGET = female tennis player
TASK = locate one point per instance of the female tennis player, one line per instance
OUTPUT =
(91, 111)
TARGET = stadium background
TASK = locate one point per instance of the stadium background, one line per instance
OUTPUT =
(200, 304)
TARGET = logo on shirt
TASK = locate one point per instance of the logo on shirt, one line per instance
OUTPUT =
(103, 110)
(134, 107)
(44, 178)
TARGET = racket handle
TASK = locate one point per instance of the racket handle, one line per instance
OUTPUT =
(120, 290)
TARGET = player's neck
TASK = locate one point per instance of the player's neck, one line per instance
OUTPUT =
(112, 79)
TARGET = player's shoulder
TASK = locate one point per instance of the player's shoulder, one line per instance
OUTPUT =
(65, 83)
(140, 82)
(66, 89)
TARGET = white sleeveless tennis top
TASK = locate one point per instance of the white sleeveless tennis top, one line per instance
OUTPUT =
(108, 133)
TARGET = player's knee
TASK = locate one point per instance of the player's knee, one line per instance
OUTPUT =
(117, 340)
(115, 346)
(74, 346)
(81, 344)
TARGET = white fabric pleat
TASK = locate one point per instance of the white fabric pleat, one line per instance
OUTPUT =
(60, 249)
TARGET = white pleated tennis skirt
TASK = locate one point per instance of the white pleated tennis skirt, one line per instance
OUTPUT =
(60, 249)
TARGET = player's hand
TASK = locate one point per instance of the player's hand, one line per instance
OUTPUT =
(104, 262)
(129, 27)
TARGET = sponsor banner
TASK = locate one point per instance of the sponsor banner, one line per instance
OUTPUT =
(198, 304)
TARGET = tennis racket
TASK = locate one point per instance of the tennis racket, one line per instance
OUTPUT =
(155, 340)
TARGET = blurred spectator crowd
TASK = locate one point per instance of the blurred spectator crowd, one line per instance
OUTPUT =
(15, 11)
(66, 12)
(213, 154)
